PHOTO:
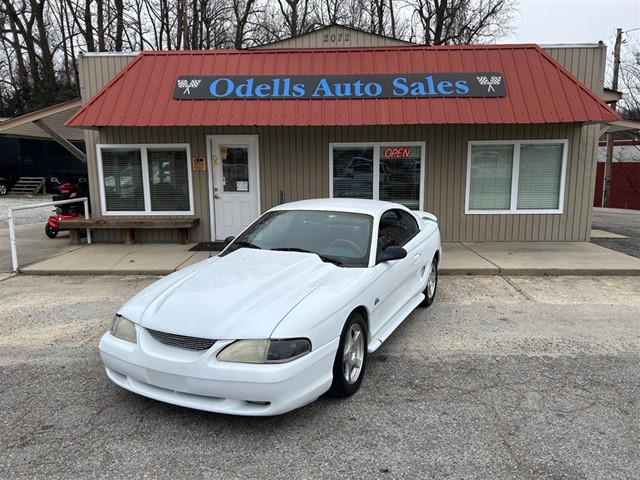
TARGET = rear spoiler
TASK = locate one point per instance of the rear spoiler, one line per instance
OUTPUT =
(429, 217)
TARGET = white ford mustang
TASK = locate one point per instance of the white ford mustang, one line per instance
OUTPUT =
(289, 310)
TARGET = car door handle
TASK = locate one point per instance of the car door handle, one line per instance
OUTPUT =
(417, 257)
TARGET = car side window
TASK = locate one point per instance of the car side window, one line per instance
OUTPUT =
(396, 228)
(410, 223)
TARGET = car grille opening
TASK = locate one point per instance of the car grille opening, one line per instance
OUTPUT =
(182, 341)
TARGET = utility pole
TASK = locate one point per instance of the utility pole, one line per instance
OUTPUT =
(606, 191)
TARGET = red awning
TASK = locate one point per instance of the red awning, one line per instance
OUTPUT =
(538, 89)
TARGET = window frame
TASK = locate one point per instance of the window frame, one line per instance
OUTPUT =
(513, 205)
(146, 180)
(376, 164)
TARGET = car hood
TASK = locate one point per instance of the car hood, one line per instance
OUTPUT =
(244, 294)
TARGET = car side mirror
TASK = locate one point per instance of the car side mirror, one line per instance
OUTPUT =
(228, 240)
(391, 253)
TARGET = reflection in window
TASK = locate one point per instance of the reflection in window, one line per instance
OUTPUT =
(490, 180)
(235, 169)
(353, 172)
(518, 176)
(122, 173)
(539, 179)
(396, 228)
(384, 172)
(400, 173)
(145, 179)
(169, 180)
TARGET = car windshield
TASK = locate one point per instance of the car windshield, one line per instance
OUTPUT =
(342, 238)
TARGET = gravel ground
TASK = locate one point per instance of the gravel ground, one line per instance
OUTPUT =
(24, 217)
(501, 378)
(622, 222)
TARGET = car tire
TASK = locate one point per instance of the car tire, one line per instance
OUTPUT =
(351, 357)
(50, 231)
(4, 188)
(432, 284)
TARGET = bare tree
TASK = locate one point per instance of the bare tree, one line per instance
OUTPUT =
(329, 12)
(629, 109)
(242, 10)
(295, 15)
(630, 81)
(40, 39)
(458, 22)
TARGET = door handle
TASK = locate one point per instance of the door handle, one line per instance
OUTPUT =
(417, 257)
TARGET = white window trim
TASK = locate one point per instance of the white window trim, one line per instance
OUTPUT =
(515, 176)
(145, 179)
(376, 162)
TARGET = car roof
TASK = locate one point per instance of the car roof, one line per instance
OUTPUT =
(352, 205)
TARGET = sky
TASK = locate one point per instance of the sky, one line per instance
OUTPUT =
(551, 22)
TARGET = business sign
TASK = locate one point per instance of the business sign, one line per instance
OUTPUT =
(397, 152)
(332, 87)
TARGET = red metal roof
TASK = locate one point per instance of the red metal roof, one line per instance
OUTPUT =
(538, 89)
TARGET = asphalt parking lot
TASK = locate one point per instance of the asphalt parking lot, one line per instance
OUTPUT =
(503, 377)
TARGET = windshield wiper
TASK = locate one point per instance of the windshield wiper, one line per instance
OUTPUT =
(335, 261)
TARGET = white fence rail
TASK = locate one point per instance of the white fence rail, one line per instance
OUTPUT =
(12, 233)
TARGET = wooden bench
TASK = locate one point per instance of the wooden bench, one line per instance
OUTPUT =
(128, 225)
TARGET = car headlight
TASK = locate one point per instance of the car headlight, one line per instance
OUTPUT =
(124, 329)
(265, 351)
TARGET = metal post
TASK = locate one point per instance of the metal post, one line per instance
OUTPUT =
(12, 232)
(85, 202)
(608, 164)
(12, 242)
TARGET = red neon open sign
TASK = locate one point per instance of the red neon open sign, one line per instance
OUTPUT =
(401, 152)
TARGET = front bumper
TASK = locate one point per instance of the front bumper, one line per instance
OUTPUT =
(198, 380)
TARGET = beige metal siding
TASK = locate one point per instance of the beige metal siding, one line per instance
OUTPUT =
(294, 163)
(197, 139)
(96, 70)
(335, 37)
(587, 63)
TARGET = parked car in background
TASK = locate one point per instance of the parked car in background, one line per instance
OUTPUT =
(6, 180)
(289, 310)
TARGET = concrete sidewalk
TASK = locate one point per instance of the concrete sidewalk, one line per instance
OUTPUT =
(486, 258)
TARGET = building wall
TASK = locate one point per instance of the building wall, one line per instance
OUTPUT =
(586, 62)
(295, 161)
(96, 70)
(625, 185)
(336, 36)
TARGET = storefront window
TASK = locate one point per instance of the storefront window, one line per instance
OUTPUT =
(122, 179)
(169, 180)
(515, 177)
(383, 172)
(145, 180)
(491, 175)
(400, 174)
(353, 172)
